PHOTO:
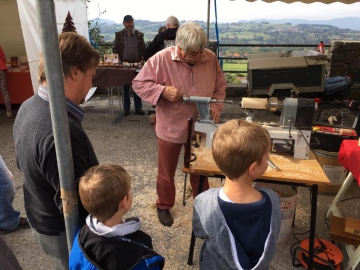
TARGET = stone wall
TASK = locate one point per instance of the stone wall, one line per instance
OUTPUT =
(344, 58)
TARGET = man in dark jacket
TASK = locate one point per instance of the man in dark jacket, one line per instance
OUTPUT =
(35, 145)
(164, 39)
(129, 44)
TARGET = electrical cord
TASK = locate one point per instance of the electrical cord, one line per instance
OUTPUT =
(321, 248)
(297, 241)
(292, 119)
(351, 198)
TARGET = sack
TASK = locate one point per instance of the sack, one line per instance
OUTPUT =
(169, 43)
(336, 84)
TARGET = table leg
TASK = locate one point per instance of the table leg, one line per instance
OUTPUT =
(334, 209)
(191, 249)
(192, 240)
(111, 103)
(121, 101)
(110, 90)
(201, 183)
(314, 194)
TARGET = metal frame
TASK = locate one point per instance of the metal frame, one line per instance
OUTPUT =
(111, 102)
(352, 251)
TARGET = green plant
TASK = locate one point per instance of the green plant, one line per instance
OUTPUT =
(95, 35)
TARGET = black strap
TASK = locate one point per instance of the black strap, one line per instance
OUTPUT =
(81, 239)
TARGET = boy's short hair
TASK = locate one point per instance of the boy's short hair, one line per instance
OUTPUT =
(102, 188)
(237, 144)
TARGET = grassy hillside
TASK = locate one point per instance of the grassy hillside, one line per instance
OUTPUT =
(249, 32)
(246, 33)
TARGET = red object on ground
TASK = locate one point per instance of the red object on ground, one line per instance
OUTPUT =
(349, 157)
(19, 87)
(325, 250)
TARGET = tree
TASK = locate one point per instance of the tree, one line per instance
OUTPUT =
(69, 24)
(96, 37)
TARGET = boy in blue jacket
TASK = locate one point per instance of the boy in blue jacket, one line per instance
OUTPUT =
(240, 223)
(106, 241)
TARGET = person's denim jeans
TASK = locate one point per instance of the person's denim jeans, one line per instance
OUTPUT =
(126, 99)
(9, 217)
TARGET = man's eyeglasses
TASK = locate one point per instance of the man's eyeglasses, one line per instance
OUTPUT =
(192, 54)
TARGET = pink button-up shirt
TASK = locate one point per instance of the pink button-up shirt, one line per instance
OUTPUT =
(168, 68)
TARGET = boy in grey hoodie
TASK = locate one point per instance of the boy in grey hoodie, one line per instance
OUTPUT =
(240, 223)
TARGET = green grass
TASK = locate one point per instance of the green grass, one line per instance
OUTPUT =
(234, 66)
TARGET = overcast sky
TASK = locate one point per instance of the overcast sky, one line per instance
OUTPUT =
(228, 11)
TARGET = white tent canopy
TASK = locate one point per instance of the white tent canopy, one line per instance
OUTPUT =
(309, 1)
(20, 33)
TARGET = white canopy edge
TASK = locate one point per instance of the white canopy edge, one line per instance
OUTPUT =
(308, 1)
(30, 27)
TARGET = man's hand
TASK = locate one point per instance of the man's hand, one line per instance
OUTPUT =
(215, 116)
(172, 94)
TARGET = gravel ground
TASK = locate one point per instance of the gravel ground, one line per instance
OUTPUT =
(131, 143)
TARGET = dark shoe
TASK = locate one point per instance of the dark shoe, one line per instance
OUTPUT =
(140, 112)
(23, 224)
(126, 113)
(165, 217)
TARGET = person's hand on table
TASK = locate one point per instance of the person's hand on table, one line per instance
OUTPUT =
(215, 116)
(172, 94)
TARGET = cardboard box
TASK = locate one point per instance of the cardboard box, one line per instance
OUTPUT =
(338, 233)
(352, 225)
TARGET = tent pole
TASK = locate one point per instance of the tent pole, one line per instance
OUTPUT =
(55, 85)
(208, 25)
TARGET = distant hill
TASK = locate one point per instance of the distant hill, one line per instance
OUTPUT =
(103, 21)
(262, 32)
(347, 22)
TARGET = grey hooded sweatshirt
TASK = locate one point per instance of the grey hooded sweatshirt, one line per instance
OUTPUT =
(209, 223)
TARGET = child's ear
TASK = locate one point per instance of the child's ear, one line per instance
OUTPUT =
(123, 202)
(252, 168)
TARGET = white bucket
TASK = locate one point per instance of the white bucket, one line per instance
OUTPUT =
(333, 169)
(288, 199)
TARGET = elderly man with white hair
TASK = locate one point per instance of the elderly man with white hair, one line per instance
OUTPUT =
(185, 69)
(164, 39)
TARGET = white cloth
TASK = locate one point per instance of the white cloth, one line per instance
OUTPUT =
(130, 225)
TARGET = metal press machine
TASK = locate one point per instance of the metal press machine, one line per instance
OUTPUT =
(292, 133)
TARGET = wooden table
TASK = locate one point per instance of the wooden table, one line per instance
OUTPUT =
(111, 78)
(295, 172)
(349, 157)
(19, 86)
